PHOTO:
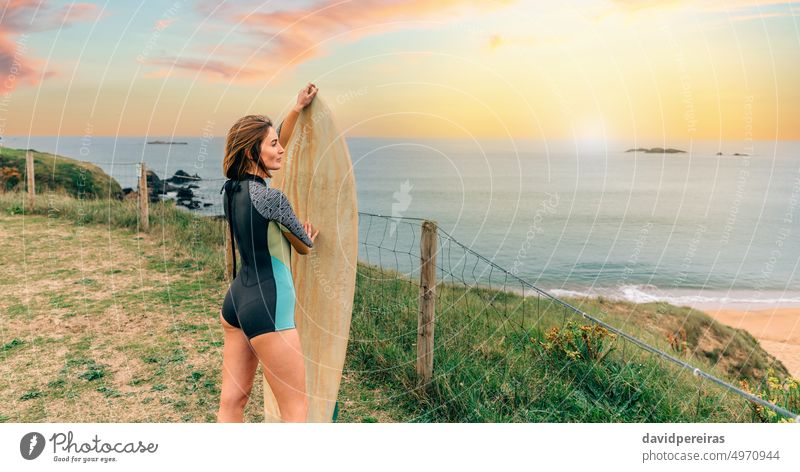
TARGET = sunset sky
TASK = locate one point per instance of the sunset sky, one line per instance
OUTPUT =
(645, 70)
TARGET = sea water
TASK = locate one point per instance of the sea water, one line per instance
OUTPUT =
(692, 229)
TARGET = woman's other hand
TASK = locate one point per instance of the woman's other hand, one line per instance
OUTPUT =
(310, 230)
(305, 96)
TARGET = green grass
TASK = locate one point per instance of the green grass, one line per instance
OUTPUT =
(16, 310)
(12, 344)
(53, 172)
(490, 364)
(200, 238)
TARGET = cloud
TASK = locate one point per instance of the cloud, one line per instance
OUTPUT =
(76, 12)
(18, 19)
(211, 67)
(287, 38)
(639, 5)
(713, 5)
(757, 8)
(161, 25)
(758, 16)
(495, 41)
(499, 40)
(724, 11)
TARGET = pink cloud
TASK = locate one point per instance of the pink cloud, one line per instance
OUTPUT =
(161, 25)
(212, 68)
(76, 12)
(287, 38)
(20, 17)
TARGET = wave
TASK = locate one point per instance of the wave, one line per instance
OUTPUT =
(650, 293)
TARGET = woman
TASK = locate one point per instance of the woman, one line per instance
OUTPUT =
(257, 314)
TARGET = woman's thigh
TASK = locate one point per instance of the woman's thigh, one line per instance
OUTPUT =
(282, 359)
(239, 363)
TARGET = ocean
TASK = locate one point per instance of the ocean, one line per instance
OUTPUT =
(693, 229)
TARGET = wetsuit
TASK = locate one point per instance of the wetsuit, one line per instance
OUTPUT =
(261, 297)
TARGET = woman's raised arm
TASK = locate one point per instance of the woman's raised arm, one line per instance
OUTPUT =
(304, 97)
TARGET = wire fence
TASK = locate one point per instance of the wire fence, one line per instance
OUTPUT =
(487, 316)
(481, 306)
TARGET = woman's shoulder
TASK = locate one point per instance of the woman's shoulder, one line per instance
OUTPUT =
(265, 198)
(259, 185)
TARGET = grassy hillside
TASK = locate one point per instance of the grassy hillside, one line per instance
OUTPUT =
(108, 324)
(494, 366)
(54, 172)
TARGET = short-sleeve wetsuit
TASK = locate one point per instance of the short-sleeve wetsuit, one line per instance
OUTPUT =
(261, 298)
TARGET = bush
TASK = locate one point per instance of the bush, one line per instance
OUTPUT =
(782, 392)
(9, 178)
(588, 342)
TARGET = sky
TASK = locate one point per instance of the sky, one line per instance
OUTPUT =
(642, 71)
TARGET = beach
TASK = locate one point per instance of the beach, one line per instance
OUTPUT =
(777, 330)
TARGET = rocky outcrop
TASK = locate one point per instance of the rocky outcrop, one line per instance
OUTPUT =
(184, 196)
(657, 150)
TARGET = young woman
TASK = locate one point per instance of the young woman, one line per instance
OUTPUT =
(257, 314)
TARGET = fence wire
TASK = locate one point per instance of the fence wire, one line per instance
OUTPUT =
(487, 316)
(485, 312)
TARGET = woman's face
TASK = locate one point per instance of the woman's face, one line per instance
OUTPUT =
(271, 150)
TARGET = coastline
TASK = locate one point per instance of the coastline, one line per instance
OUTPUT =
(777, 330)
(772, 317)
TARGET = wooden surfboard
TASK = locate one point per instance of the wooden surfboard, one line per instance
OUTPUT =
(317, 177)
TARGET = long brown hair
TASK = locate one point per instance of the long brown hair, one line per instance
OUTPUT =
(243, 146)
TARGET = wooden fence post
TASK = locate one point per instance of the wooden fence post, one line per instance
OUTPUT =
(228, 255)
(29, 174)
(144, 198)
(427, 304)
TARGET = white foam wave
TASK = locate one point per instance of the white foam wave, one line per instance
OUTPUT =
(651, 293)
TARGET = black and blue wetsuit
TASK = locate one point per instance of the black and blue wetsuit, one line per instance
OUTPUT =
(261, 298)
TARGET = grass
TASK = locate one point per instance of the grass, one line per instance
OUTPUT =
(133, 335)
(490, 367)
(53, 172)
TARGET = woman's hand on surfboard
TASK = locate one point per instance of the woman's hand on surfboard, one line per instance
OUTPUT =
(310, 230)
(305, 96)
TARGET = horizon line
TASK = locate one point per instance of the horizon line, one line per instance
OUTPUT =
(172, 137)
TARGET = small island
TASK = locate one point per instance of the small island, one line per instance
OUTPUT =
(734, 154)
(656, 150)
(167, 142)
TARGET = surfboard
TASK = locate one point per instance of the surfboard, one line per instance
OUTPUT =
(317, 177)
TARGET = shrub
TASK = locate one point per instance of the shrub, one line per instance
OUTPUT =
(588, 342)
(782, 392)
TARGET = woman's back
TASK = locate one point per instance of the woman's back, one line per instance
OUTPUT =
(261, 297)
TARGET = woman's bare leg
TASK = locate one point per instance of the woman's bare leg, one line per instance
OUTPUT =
(239, 364)
(284, 368)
